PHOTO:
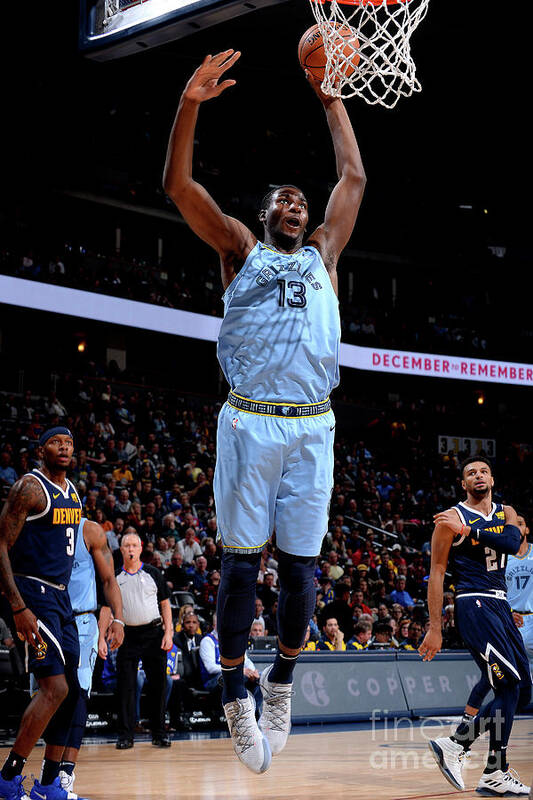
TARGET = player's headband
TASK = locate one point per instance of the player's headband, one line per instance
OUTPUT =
(54, 432)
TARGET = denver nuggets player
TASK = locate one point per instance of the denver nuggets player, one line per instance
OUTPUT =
(278, 347)
(38, 526)
(476, 536)
(92, 555)
(519, 578)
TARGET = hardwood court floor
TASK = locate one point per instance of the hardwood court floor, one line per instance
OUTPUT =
(362, 764)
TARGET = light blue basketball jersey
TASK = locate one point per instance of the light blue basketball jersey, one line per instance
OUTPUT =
(279, 340)
(82, 586)
(519, 577)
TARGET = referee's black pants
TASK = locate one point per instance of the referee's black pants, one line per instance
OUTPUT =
(141, 642)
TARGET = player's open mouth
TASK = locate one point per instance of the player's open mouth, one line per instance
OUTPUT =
(293, 222)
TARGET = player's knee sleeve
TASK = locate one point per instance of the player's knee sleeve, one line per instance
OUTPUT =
(79, 720)
(236, 602)
(297, 597)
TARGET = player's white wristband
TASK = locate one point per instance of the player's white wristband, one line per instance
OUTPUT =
(120, 622)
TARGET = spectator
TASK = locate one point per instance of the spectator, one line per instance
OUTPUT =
(400, 595)
(189, 547)
(123, 504)
(176, 575)
(209, 594)
(8, 476)
(450, 635)
(200, 576)
(266, 592)
(361, 638)
(340, 610)
(382, 639)
(271, 620)
(114, 535)
(187, 642)
(123, 475)
(309, 645)
(163, 550)
(256, 631)
(259, 611)
(414, 637)
(335, 570)
(332, 637)
(358, 600)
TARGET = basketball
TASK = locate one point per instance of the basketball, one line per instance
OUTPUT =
(312, 55)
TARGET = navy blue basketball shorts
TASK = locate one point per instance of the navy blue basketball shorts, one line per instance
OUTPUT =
(487, 628)
(60, 652)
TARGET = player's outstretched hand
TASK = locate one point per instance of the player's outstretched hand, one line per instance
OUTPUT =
(27, 628)
(316, 85)
(204, 83)
(431, 645)
(451, 520)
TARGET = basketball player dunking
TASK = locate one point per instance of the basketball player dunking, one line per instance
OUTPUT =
(477, 535)
(278, 348)
(38, 527)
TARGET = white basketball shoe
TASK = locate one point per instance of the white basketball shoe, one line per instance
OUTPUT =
(251, 747)
(450, 758)
(67, 781)
(502, 784)
(275, 719)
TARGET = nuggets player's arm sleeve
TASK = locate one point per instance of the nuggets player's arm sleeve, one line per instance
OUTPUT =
(441, 541)
(103, 563)
(230, 238)
(25, 497)
(343, 206)
(505, 541)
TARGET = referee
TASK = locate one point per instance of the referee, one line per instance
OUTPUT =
(147, 637)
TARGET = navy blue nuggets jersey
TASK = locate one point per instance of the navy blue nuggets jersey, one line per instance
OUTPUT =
(47, 542)
(476, 567)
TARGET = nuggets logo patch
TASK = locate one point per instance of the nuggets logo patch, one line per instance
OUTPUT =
(40, 651)
(500, 514)
(234, 422)
(74, 497)
(497, 671)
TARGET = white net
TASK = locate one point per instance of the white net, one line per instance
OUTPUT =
(367, 47)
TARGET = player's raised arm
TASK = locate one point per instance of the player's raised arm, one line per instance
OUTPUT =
(103, 562)
(343, 207)
(26, 496)
(441, 542)
(230, 238)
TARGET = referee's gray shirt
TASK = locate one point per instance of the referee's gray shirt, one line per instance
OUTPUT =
(142, 592)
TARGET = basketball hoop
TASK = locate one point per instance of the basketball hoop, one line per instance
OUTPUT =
(382, 30)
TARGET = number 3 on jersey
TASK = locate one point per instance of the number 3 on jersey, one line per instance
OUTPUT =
(70, 541)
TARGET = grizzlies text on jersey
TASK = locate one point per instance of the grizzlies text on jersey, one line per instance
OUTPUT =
(279, 340)
(45, 546)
